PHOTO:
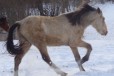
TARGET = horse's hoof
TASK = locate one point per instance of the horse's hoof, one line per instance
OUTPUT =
(64, 74)
(83, 70)
(84, 59)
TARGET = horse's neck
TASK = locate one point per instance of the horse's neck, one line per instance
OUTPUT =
(86, 21)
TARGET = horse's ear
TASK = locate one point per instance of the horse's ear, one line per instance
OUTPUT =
(98, 10)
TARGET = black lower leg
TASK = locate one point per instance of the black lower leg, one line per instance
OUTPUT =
(85, 58)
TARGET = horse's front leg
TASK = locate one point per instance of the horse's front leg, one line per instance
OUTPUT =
(77, 57)
(89, 49)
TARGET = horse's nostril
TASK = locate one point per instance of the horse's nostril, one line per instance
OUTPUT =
(106, 32)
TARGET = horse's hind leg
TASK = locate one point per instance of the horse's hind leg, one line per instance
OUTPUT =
(89, 49)
(77, 58)
(25, 47)
(43, 50)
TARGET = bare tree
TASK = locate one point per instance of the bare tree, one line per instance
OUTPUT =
(82, 2)
(18, 9)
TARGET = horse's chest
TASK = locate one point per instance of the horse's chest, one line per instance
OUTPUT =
(75, 37)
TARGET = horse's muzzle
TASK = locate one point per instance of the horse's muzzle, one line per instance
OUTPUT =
(106, 32)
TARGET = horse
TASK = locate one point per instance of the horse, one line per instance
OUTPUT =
(4, 23)
(66, 29)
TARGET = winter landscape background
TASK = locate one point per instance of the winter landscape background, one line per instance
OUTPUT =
(101, 61)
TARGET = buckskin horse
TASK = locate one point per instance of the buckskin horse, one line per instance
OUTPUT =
(66, 29)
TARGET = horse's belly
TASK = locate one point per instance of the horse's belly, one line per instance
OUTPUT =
(56, 40)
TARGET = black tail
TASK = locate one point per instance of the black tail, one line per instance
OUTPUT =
(11, 48)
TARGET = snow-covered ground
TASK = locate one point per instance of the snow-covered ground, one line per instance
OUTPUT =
(101, 61)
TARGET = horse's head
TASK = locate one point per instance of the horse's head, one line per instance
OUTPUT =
(4, 24)
(99, 22)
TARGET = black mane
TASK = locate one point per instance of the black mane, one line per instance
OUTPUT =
(75, 17)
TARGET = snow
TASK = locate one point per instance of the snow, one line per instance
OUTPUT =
(101, 62)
